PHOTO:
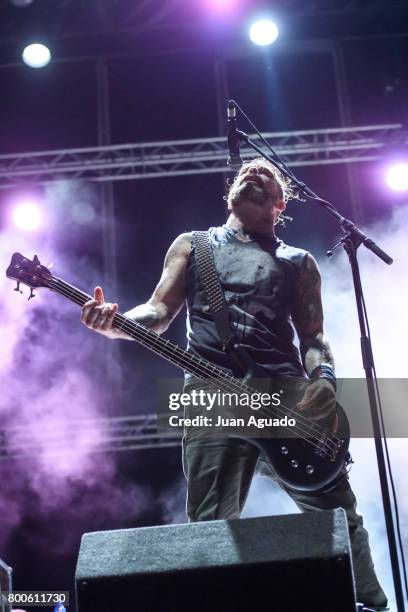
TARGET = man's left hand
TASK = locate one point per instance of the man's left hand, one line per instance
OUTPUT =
(319, 400)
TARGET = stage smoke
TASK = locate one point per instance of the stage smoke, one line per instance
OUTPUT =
(53, 378)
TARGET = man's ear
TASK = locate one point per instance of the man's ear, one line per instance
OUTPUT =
(281, 205)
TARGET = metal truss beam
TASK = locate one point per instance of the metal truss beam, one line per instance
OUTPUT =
(196, 156)
(101, 435)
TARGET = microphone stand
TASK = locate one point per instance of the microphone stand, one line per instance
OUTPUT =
(352, 239)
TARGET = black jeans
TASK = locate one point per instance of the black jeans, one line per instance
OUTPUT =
(219, 472)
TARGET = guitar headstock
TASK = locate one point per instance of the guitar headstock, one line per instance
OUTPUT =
(28, 272)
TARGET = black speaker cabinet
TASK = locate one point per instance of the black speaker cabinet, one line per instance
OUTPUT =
(279, 563)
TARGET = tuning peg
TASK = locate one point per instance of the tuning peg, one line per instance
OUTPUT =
(32, 294)
(17, 287)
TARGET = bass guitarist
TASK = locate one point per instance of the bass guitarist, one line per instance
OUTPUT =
(268, 286)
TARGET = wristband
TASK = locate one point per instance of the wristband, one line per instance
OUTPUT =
(325, 371)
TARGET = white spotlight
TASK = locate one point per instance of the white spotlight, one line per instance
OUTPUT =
(27, 216)
(263, 32)
(397, 177)
(36, 55)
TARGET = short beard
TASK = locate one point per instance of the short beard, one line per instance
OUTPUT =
(246, 191)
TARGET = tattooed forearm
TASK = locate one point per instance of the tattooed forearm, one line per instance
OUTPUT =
(316, 351)
(150, 316)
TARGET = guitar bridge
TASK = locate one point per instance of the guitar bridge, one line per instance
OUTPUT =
(327, 447)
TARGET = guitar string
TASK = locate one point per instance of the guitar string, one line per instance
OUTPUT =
(229, 383)
(198, 363)
(142, 332)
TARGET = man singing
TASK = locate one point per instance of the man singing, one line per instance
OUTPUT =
(268, 286)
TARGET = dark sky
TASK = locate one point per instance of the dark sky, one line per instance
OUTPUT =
(162, 86)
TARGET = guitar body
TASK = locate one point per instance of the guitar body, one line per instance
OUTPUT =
(299, 465)
(303, 464)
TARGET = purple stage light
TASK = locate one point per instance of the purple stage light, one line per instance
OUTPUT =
(397, 177)
(27, 215)
(220, 5)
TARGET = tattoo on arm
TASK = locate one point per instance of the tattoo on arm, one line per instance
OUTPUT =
(169, 295)
(309, 312)
(307, 317)
(144, 314)
(315, 352)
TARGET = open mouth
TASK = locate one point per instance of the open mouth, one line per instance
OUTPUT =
(252, 179)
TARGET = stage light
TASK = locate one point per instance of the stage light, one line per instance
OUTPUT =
(222, 8)
(220, 4)
(397, 177)
(263, 32)
(21, 3)
(27, 216)
(36, 55)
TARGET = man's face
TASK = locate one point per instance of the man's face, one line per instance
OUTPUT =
(255, 200)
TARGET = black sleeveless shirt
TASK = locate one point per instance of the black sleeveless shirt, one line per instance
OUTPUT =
(259, 279)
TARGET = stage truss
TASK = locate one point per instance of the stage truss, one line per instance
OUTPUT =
(196, 156)
(105, 434)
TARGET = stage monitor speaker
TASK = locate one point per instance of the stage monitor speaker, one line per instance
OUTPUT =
(280, 563)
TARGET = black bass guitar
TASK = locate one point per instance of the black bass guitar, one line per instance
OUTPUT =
(309, 458)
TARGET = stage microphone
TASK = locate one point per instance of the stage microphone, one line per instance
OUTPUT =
(234, 159)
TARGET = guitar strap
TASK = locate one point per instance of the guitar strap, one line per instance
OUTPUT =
(215, 296)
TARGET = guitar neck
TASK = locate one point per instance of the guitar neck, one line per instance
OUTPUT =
(164, 348)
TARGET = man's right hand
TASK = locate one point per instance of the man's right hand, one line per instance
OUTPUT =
(98, 315)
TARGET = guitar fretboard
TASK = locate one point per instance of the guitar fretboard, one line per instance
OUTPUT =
(165, 348)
